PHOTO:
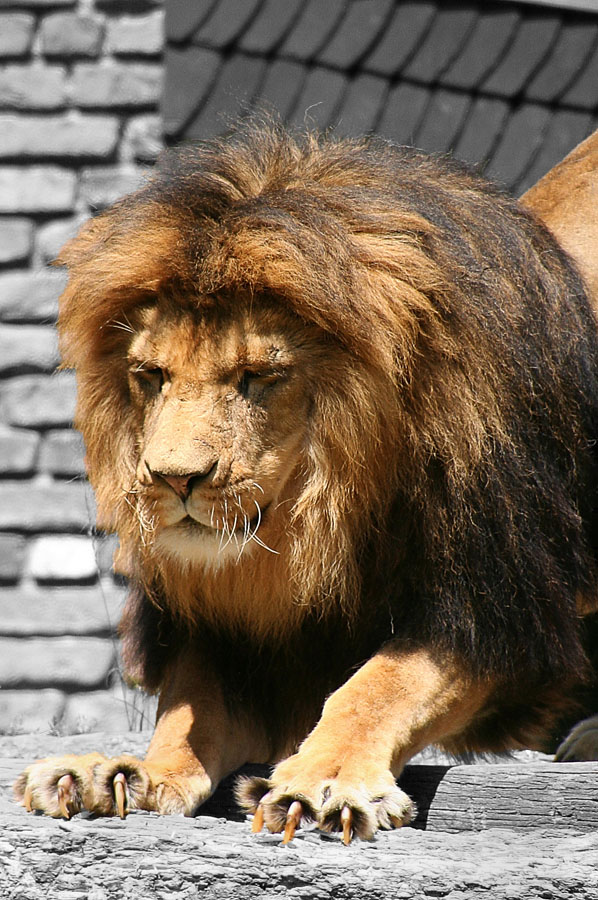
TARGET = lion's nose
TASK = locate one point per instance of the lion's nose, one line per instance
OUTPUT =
(183, 484)
(179, 483)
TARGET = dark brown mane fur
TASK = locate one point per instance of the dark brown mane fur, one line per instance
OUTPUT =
(457, 509)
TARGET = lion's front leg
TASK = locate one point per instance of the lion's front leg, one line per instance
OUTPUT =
(196, 743)
(343, 776)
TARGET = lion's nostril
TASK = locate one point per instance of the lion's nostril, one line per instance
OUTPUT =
(182, 485)
(179, 483)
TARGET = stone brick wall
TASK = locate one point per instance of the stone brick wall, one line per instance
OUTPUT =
(80, 85)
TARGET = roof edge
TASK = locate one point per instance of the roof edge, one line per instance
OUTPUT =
(590, 6)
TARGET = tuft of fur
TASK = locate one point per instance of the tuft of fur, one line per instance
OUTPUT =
(447, 491)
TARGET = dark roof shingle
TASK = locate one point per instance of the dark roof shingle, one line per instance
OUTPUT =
(510, 86)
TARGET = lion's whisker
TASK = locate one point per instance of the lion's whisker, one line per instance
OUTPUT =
(261, 543)
(231, 535)
(122, 326)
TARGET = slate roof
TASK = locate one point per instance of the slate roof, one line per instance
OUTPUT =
(511, 86)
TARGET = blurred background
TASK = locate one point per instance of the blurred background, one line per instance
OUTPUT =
(90, 92)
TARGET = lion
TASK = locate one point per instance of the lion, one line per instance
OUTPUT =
(340, 404)
(566, 200)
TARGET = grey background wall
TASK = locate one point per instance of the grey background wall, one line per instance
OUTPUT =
(80, 86)
(88, 88)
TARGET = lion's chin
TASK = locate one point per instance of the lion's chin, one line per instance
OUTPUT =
(200, 544)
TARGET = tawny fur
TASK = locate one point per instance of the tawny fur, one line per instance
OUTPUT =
(395, 366)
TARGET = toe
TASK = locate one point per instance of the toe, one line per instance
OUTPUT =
(120, 785)
(355, 812)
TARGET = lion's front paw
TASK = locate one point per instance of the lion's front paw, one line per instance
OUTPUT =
(581, 744)
(58, 786)
(334, 799)
(63, 786)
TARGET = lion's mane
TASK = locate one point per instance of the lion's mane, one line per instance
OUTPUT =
(448, 485)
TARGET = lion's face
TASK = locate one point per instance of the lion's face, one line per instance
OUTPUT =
(221, 400)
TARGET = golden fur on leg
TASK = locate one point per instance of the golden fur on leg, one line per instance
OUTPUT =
(396, 704)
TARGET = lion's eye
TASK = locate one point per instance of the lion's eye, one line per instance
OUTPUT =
(150, 377)
(251, 377)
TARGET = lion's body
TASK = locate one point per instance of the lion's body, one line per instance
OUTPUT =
(340, 402)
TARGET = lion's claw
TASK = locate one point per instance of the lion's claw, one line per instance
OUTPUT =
(121, 798)
(293, 820)
(65, 790)
(258, 820)
(28, 799)
(347, 824)
(354, 812)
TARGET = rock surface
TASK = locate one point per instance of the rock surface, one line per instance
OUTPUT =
(540, 853)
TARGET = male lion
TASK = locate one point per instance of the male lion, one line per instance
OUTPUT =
(340, 402)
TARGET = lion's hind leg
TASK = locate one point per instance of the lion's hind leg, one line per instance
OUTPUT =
(581, 744)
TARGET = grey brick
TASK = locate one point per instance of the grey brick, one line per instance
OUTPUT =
(57, 662)
(136, 35)
(116, 5)
(102, 185)
(62, 559)
(106, 546)
(13, 548)
(116, 85)
(56, 611)
(16, 239)
(37, 4)
(30, 296)
(70, 135)
(67, 34)
(59, 507)
(33, 87)
(18, 450)
(118, 710)
(36, 189)
(28, 348)
(62, 453)
(142, 139)
(38, 401)
(52, 237)
(25, 712)
(16, 33)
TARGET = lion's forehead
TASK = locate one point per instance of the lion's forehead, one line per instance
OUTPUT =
(219, 341)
